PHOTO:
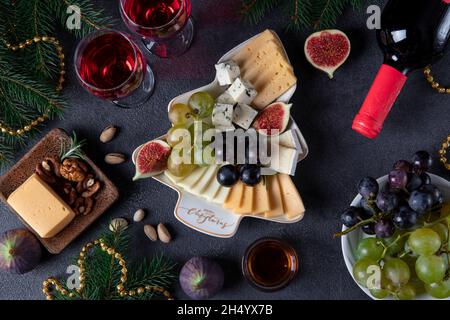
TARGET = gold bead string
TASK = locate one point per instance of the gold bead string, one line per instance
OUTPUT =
(434, 84)
(443, 151)
(4, 128)
(52, 282)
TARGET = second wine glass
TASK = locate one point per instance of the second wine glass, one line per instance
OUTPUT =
(166, 26)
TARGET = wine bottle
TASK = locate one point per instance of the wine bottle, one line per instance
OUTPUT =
(413, 35)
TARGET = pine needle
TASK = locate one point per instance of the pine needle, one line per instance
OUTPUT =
(300, 14)
(73, 149)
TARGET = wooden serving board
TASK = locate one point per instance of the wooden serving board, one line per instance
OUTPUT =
(22, 170)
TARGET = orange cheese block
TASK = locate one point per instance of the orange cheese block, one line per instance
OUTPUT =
(275, 198)
(41, 207)
(261, 202)
(292, 202)
(246, 204)
(233, 199)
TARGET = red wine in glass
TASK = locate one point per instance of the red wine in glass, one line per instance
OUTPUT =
(111, 66)
(165, 25)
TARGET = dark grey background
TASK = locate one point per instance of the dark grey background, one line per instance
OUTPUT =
(324, 110)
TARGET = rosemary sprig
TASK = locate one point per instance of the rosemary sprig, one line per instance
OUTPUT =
(73, 149)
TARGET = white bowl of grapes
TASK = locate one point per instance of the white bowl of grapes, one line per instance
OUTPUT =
(395, 235)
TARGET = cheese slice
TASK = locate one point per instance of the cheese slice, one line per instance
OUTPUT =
(274, 88)
(221, 195)
(254, 45)
(284, 160)
(212, 188)
(261, 202)
(41, 207)
(292, 201)
(270, 50)
(246, 204)
(275, 198)
(234, 197)
(290, 139)
(191, 180)
(264, 63)
(200, 187)
(174, 179)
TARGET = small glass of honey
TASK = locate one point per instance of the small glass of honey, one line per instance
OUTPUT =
(270, 264)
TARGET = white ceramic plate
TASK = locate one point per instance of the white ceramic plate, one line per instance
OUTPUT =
(350, 241)
(205, 216)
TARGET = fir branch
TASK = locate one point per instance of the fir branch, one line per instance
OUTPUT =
(318, 14)
(6, 154)
(102, 272)
(73, 149)
(92, 18)
(299, 12)
(327, 12)
(255, 10)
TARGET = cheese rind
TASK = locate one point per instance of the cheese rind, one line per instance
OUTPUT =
(41, 207)
(292, 201)
(242, 91)
(227, 72)
(244, 115)
(222, 115)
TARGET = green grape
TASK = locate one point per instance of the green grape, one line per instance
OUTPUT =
(424, 241)
(442, 230)
(379, 293)
(439, 290)
(202, 103)
(180, 113)
(369, 248)
(411, 262)
(179, 168)
(406, 292)
(177, 134)
(431, 268)
(394, 246)
(198, 129)
(396, 271)
(362, 272)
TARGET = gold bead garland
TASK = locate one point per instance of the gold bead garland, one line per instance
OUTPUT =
(5, 129)
(52, 282)
(443, 151)
(434, 84)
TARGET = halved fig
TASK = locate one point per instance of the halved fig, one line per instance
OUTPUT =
(152, 159)
(273, 119)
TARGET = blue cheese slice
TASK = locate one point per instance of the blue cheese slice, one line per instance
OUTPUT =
(225, 98)
(227, 72)
(222, 115)
(244, 115)
(242, 91)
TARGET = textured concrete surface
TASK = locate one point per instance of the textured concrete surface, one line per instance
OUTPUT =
(324, 110)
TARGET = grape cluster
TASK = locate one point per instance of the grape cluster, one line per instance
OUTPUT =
(410, 222)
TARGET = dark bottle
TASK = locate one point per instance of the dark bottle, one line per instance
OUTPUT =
(413, 35)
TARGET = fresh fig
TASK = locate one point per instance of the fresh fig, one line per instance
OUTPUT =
(273, 119)
(327, 50)
(20, 251)
(152, 159)
(201, 278)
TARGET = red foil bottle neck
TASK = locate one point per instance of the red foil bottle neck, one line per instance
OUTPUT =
(379, 101)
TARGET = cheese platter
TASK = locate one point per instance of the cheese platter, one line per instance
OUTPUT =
(244, 96)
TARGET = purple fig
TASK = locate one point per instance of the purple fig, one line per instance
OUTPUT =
(201, 278)
(20, 251)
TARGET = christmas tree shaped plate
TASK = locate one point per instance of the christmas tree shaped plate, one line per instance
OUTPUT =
(203, 215)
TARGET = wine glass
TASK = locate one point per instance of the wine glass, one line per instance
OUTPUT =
(166, 26)
(110, 66)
